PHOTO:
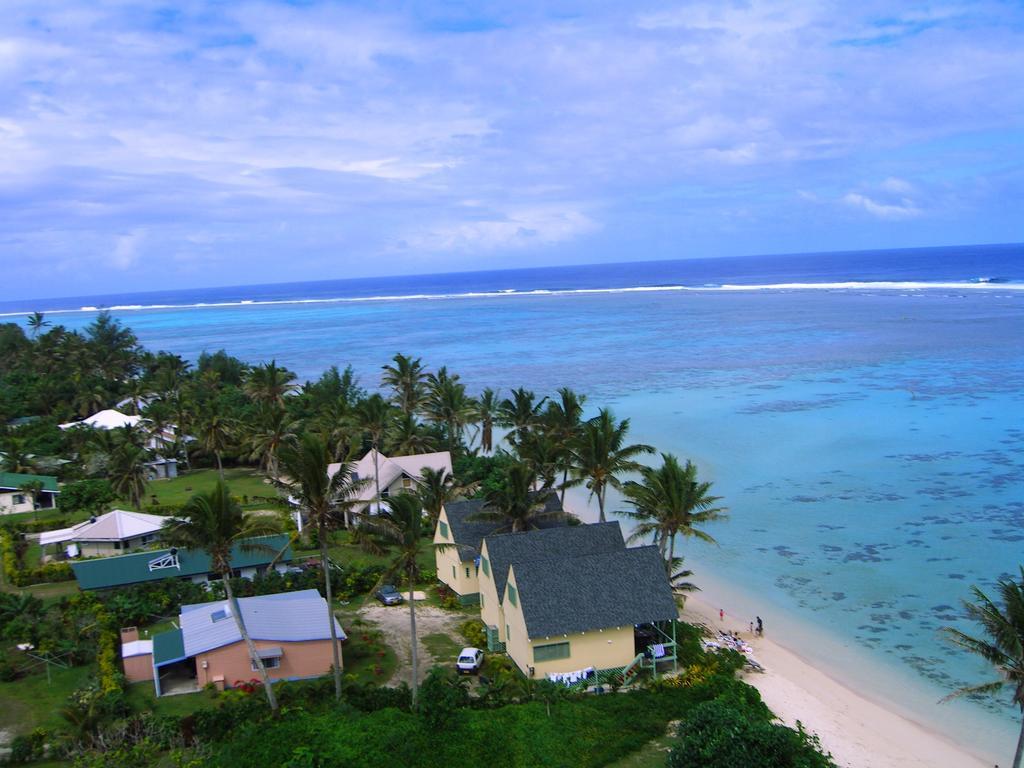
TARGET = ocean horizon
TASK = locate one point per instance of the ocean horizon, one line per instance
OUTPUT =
(861, 413)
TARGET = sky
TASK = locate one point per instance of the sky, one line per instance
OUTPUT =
(149, 146)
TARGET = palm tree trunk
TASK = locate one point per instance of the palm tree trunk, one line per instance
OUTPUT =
(1020, 748)
(253, 655)
(325, 564)
(565, 479)
(415, 652)
(220, 467)
(600, 504)
(671, 555)
(376, 473)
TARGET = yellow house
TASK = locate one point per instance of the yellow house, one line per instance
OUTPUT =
(458, 563)
(500, 551)
(575, 615)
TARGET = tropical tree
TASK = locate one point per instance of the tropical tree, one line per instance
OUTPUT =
(126, 470)
(405, 378)
(326, 501)
(519, 412)
(268, 384)
(266, 434)
(406, 436)
(448, 404)
(32, 489)
(16, 457)
(486, 414)
(372, 416)
(401, 522)
(601, 455)
(515, 506)
(669, 501)
(36, 322)
(215, 523)
(215, 434)
(436, 488)
(1002, 644)
(541, 453)
(561, 422)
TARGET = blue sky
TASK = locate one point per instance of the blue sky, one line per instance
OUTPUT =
(148, 146)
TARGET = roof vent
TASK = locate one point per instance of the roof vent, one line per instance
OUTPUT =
(219, 615)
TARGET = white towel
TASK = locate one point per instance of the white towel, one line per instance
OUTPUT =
(659, 651)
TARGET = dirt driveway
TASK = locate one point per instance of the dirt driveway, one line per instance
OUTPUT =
(393, 621)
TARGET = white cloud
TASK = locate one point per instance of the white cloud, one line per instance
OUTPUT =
(126, 249)
(904, 208)
(533, 227)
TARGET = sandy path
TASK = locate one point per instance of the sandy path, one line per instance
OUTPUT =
(860, 733)
(393, 621)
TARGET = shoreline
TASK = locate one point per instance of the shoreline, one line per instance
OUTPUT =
(859, 732)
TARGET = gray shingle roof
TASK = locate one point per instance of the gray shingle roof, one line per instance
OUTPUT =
(505, 549)
(562, 596)
(468, 534)
(284, 617)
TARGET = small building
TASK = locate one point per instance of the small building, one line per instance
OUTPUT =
(154, 565)
(396, 473)
(159, 443)
(14, 498)
(500, 552)
(580, 618)
(290, 631)
(115, 532)
(458, 563)
(136, 656)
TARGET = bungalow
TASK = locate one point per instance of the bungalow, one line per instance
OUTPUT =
(153, 565)
(458, 563)
(111, 534)
(15, 498)
(161, 442)
(499, 552)
(396, 473)
(290, 631)
(585, 616)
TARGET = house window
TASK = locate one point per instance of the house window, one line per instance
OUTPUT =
(117, 545)
(273, 662)
(19, 498)
(513, 596)
(406, 482)
(453, 573)
(443, 527)
(481, 599)
(550, 652)
(486, 566)
(508, 634)
(467, 572)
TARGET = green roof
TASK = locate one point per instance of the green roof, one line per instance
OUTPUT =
(167, 647)
(15, 480)
(107, 572)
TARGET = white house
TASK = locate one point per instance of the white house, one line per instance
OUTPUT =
(162, 467)
(395, 473)
(114, 533)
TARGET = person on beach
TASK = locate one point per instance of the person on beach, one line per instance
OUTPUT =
(751, 628)
(760, 627)
(721, 614)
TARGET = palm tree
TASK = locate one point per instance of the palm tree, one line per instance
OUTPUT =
(670, 501)
(214, 523)
(16, 457)
(486, 414)
(402, 523)
(519, 412)
(437, 487)
(541, 453)
(268, 384)
(448, 404)
(267, 434)
(405, 379)
(514, 505)
(562, 421)
(1002, 646)
(215, 433)
(601, 455)
(126, 470)
(407, 436)
(326, 501)
(37, 323)
(32, 489)
(372, 415)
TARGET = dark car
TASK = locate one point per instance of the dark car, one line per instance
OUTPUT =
(388, 595)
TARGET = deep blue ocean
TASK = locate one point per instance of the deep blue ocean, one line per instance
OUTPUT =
(861, 413)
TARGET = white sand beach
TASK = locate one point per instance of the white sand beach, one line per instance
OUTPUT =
(859, 732)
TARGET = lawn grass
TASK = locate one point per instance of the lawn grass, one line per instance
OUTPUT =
(142, 698)
(366, 656)
(654, 754)
(442, 647)
(243, 482)
(344, 552)
(31, 702)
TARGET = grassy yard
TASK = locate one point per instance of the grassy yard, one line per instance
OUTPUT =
(242, 481)
(142, 698)
(344, 552)
(33, 703)
(654, 754)
(442, 646)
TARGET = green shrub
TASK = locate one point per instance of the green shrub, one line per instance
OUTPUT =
(720, 734)
(442, 694)
(27, 749)
(85, 495)
(474, 632)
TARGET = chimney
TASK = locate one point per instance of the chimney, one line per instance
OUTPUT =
(128, 634)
